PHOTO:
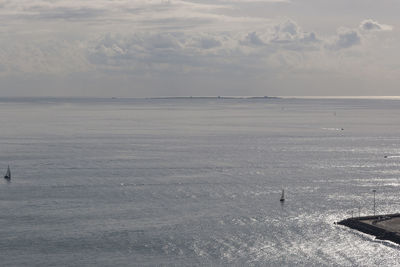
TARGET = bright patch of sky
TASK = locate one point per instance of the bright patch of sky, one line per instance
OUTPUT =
(147, 48)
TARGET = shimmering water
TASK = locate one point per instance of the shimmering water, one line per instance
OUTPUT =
(125, 182)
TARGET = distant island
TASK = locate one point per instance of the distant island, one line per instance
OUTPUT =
(264, 97)
(216, 97)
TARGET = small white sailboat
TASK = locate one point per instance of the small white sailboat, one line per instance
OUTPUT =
(282, 196)
(8, 173)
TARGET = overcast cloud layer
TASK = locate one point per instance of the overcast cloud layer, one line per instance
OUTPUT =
(147, 48)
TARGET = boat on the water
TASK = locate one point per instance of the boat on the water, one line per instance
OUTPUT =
(8, 173)
(282, 196)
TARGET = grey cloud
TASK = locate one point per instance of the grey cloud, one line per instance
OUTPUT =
(47, 10)
(345, 38)
(172, 38)
(207, 43)
(175, 49)
(138, 50)
(286, 32)
(348, 38)
(286, 35)
(197, 50)
(65, 13)
(71, 13)
(203, 49)
(168, 52)
(372, 25)
(163, 42)
(47, 56)
(288, 27)
(310, 38)
(138, 10)
(188, 50)
(253, 39)
(290, 32)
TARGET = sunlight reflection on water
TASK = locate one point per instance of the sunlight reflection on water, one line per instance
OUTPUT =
(169, 181)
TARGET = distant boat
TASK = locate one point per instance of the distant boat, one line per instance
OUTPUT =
(8, 173)
(282, 196)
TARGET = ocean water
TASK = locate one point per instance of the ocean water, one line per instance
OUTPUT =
(196, 182)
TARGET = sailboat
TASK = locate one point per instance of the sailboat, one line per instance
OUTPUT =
(282, 196)
(8, 173)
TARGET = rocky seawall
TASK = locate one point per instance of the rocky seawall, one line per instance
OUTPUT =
(373, 225)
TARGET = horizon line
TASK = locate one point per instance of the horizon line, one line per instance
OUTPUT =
(209, 97)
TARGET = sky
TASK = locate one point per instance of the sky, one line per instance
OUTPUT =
(150, 48)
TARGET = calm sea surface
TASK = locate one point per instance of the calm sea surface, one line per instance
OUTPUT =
(188, 182)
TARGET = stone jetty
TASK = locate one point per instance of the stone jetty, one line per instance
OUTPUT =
(384, 227)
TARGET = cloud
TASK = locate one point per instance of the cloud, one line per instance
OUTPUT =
(41, 9)
(199, 49)
(88, 10)
(253, 39)
(169, 38)
(175, 38)
(175, 50)
(345, 38)
(156, 51)
(372, 25)
(51, 57)
(289, 32)
(209, 42)
(285, 35)
(139, 15)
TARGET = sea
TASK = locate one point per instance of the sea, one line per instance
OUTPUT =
(196, 181)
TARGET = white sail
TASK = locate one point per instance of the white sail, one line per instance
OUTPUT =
(283, 195)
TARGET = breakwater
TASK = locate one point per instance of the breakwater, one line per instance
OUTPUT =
(384, 227)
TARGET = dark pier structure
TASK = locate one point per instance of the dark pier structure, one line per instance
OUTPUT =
(384, 227)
